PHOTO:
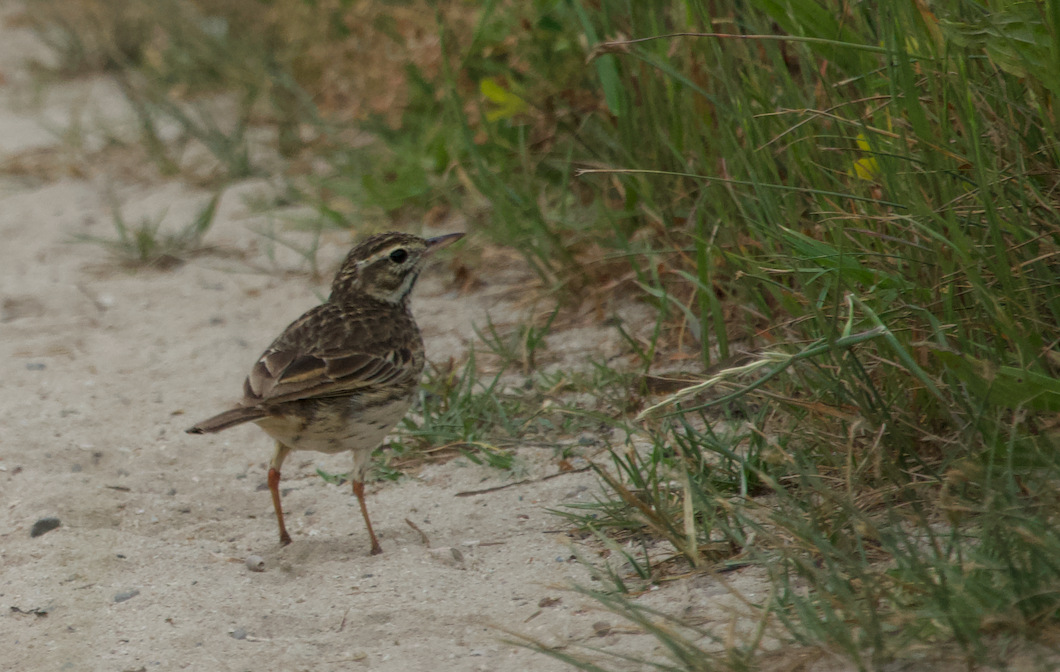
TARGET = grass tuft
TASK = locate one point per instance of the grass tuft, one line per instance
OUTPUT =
(144, 246)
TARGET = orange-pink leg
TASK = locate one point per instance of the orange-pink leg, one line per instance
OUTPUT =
(358, 489)
(274, 488)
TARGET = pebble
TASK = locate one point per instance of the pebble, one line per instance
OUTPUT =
(126, 595)
(255, 563)
(448, 555)
(239, 633)
(43, 526)
(75, 468)
(601, 628)
(34, 366)
(575, 492)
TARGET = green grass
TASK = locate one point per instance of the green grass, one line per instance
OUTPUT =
(875, 200)
(143, 245)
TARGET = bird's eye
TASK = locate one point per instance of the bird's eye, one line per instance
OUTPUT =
(399, 256)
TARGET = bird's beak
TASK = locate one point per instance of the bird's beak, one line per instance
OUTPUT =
(435, 244)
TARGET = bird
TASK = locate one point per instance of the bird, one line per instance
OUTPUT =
(343, 374)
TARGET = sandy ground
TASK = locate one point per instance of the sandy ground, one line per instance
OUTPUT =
(102, 369)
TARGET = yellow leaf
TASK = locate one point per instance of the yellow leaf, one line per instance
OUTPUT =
(508, 103)
(868, 168)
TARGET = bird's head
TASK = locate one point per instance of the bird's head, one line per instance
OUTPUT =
(386, 266)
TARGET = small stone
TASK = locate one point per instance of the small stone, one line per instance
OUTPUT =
(43, 526)
(35, 366)
(126, 595)
(449, 556)
(255, 563)
(571, 494)
(586, 439)
(239, 633)
(601, 628)
(75, 468)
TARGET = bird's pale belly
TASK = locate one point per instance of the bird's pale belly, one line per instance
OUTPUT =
(336, 426)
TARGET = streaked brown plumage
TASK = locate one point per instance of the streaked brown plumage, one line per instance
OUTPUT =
(342, 375)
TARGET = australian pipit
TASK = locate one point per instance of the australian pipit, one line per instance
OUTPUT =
(341, 376)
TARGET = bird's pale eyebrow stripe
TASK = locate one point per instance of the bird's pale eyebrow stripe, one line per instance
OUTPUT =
(384, 253)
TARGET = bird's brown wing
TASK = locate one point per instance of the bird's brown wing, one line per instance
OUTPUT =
(283, 375)
(331, 352)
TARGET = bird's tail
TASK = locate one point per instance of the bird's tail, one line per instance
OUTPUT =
(236, 416)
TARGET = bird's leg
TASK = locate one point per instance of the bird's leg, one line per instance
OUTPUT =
(274, 488)
(362, 460)
(358, 489)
